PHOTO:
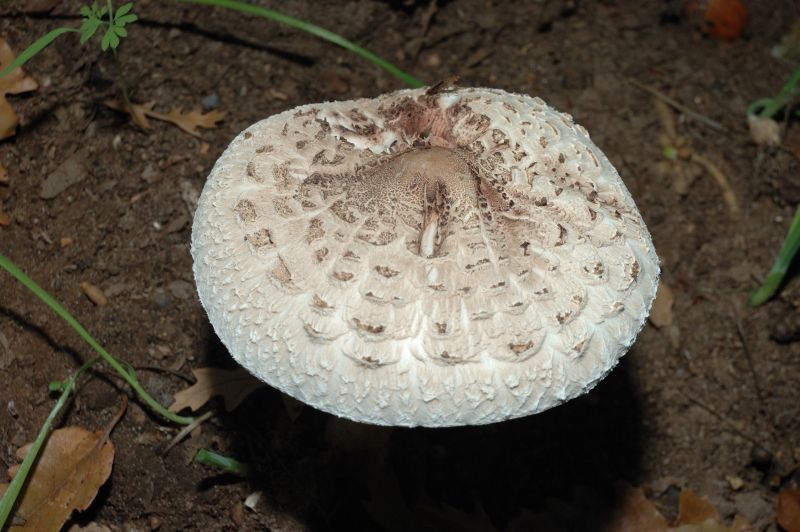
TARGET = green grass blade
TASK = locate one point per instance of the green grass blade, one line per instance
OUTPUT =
(39, 292)
(40, 44)
(775, 276)
(322, 33)
(228, 465)
(18, 482)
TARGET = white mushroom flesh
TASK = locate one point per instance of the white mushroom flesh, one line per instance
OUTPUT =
(423, 258)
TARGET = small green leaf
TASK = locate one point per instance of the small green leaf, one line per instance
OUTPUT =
(88, 29)
(86, 11)
(123, 9)
(120, 31)
(127, 19)
(106, 40)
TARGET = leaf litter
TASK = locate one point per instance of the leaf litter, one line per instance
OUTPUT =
(72, 466)
(234, 385)
(188, 121)
(15, 82)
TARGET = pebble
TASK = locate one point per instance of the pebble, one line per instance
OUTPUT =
(161, 299)
(72, 170)
(94, 293)
(181, 289)
(210, 102)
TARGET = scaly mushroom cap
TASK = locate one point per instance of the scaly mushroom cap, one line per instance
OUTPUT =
(436, 258)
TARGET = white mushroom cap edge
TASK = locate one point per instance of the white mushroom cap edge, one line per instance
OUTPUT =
(432, 258)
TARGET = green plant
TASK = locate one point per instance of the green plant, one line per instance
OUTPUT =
(769, 107)
(775, 276)
(15, 487)
(95, 17)
(125, 371)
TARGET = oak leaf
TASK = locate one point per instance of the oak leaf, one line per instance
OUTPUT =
(72, 466)
(188, 121)
(788, 515)
(234, 385)
(15, 82)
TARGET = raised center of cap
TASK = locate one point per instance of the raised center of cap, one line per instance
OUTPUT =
(436, 180)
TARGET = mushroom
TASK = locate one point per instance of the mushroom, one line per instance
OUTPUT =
(434, 257)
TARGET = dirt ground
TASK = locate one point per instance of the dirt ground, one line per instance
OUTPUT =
(709, 402)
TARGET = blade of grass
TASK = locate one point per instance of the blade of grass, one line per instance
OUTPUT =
(228, 465)
(40, 44)
(18, 482)
(775, 276)
(129, 376)
(313, 29)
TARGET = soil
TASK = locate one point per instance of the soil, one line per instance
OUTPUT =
(707, 402)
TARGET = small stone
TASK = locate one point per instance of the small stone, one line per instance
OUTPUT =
(760, 458)
(210, 102)
(72, 170)
(94, 293)
(154, 522)
(181, 289)
(736, 483)
(66, 241)
(161, 299)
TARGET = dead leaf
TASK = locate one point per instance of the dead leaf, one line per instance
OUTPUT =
(3, 175)
(635, 512)
(72, 466)
(15, 82)
(694, 510)
(788, 513)
(5, 219)
(661, 313)
(233, 385)
(188, 121)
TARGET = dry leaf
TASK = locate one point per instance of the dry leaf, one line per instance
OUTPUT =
(789, 509)
(15, 82)
(693, 509)
(661, 313)
(5, 219)
(72, 466)
(635, 512)
(3, 175)
(188, 121)
(233, 385)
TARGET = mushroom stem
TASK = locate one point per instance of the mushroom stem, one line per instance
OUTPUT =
(428, 241)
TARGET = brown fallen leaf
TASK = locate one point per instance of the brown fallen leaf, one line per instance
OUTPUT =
(234, 385)
(5, 219)
(693, 509)
(72, 466)
(15, 82)
(788, 513)
(661, 313)
(635, 512)
(188, 121)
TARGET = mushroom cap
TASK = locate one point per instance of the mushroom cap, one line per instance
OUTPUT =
(427, 257)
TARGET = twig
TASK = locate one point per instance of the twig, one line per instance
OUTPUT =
(722, 181)
(427, 18)
(727, 421)
(703, 119)
(749, 358)
(187, 429)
